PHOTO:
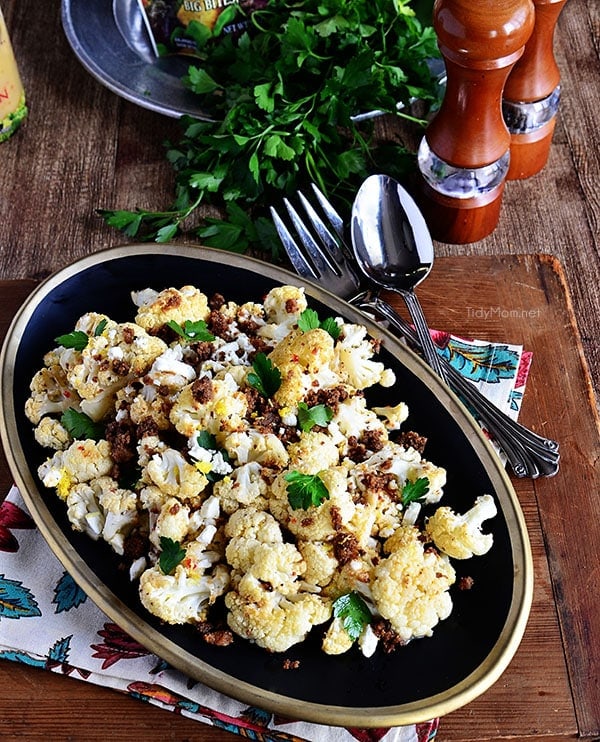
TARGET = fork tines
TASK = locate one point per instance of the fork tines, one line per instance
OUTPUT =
(315, 244)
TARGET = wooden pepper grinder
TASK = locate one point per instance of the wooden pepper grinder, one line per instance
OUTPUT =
(464, 155)
(532, 95)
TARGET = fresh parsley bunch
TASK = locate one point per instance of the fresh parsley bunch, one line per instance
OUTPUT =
(283, 98)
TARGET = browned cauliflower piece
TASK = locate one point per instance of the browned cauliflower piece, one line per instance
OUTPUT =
(51, 393)
(460, 536)
(219, 408)
(82, 461)
(155, 309)
(282, 305)
(51, 433)
(186, 595)
(174, 475)
(109, 362)
(304, 360)
(354, 359)
(410, 586)
(104, 510)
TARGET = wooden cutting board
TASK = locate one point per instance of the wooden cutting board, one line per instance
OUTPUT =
(551, 690)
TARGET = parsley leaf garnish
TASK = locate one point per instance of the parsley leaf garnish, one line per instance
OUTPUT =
(77, 340)
(171, 555)
(354, 612)
(81, 426)
(100, 327)
(309, 320)
(331, 326)
(194, 332)
(206, 440)
(415, 491)
(305, 490)
(266, 377)
(308, 417)
(282, 99)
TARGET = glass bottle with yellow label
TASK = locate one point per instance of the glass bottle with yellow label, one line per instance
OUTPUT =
(12, 95)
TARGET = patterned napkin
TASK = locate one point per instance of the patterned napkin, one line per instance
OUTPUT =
(47, 621)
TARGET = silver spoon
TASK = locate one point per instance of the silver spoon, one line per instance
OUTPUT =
(393, 248)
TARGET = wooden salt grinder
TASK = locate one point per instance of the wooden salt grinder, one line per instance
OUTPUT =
(464, 155)
(532, 95)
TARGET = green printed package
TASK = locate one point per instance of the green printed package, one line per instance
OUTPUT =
(182, 26)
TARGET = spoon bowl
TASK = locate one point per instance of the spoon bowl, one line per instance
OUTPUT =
(394, 249)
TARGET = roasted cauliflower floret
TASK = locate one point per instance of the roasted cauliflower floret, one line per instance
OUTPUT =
(80, 462)
(352, 419)
(404, 465)
(254, 525)
(175, 476)
(269, 618)
(283, 302)
(215, 405)
(267, 605)
(354, 354)
(282, 305)
(150, 404)
(276, 564)
(410, 586)
(172, 522)
(460, 536)
(147, 447)
(251, 445)
(316, 523)
(246, 530)
(336, 639)
(304, 360)
(177, 305)
(243, 488)
(393, 415)
(320, 562)
(110, 361)
(94, 323)
(104, 510)
(50, 433)
(313, 452)
(51, 393)
(186, 595)
(181, 522)
(170, 370)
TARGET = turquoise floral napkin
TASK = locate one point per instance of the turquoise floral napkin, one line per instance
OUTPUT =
(46, 620)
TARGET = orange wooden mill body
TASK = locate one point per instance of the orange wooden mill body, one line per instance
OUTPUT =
(464, 155)
(532, 95)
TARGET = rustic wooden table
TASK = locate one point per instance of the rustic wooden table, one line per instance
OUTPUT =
(533, 281)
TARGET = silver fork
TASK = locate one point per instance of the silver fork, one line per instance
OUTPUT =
(322, 254)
